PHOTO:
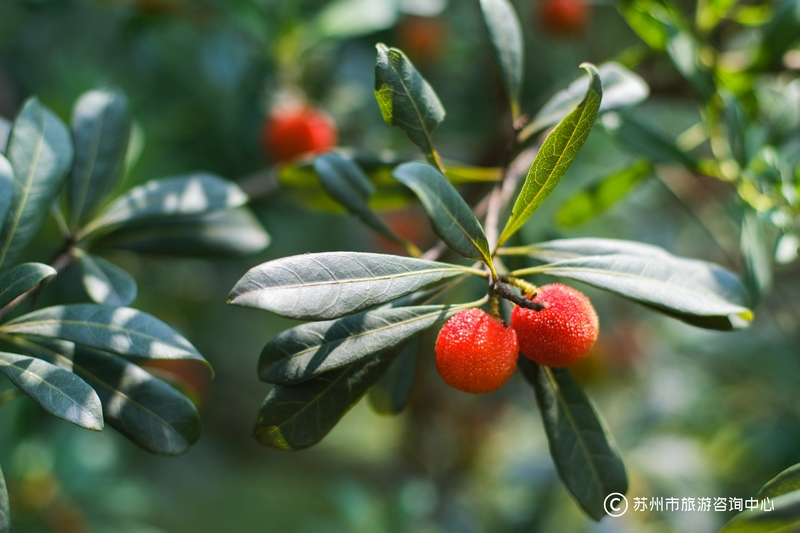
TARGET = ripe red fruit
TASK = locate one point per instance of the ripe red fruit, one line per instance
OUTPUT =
(288, 134)
(476, 352)
(564, 18)
(561, 334)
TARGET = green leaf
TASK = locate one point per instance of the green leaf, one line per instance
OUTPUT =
(59, 392)
(453, 220)
(390, 395)
(645, 17)
(783, 518)
(556, 155)
(560, 249)
(756, 258)
(40, 153)
(621, 88)
(406, 100)
(6, 187)
(600, 196)
(345, 19)
(21, 279)
(505, 34)
(225, 233)
(299, 416)
(308, 350)
(784, 483)
(164, 199)
(643, 140)
(119, 330)
(582, 448)
(105, 282)
(334, 284)
(5, 131)
(148, 411)
(101, 127)
(780, 33)
(5, 514)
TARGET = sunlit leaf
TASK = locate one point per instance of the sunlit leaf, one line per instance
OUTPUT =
(105, 282)
(582, 448)
(781, 516)
(333, 284)
(21, 279)
(505, 34)
(784, 483)
(390, 395)
(343, 19)
(59, 392)
(641, 139)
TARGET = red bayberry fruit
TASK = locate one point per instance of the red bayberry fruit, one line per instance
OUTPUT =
(562, 333)
(476, 352)
(422, 38)
(565, 18)
(288, 134)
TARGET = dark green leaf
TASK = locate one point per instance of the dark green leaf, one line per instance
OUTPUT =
(164, 199)
(40, 153)
(298, 416)
(333, 284)
(59, 392)
(621, 88)
(225, 233)
(308, 350)
(452, 218)
(784, 483)
(5, 514)
(600, 196)
(643, 140)
(556, 155)
(120, 330)
(505, 33)
(146, 410)
(390, 395)
(105, 282)
(406, 100)
(6, 188)
(21, 279)
(780, 33)
(756, 258)
(101, 127)
(783, 518)
(583, 450)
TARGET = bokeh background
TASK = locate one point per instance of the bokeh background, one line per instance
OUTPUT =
(695, 413)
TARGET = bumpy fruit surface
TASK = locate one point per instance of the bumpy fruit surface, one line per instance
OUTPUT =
(564, 18)
(561, 334)
(288, 134)
(476, 352)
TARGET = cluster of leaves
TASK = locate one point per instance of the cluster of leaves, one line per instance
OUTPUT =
(78, 360)
(367, 311)
(783, 513)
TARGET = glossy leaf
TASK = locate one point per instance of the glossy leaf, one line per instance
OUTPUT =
(784, 483)
(6, 187)
(643, 140)
(560, 249)
(505, 34)
(334, 284)
(582, 448)
(390, 395)
(298, 416)
(600, 196)
(21, 279)
(5, 514)
(225, 233)
(119, 330)
(40, 153)
(167, 198)
(148, 411)
(308, 350)
(621, 88)
(406, 100)
(783, 518)
(555, 156)
(101, 127)
(105, 282)
(452, 219)
(756, 258)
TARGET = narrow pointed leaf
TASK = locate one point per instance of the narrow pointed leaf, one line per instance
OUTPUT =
(6, 188)
(298, 416)
(105, 282)
(390, 395)
(21, 279)
(119, 330)
(40, 153)
(784, 483)
(59, 392)
(784, 517)
(757, 258)
(641, 139)
(5, 510)
(101, 127)
(145, 409)
(308, 350)
(560, 249)
(505, 34)
(453, 220)
(556, 155)
(334, 284)
(405, 98)
(583, 450)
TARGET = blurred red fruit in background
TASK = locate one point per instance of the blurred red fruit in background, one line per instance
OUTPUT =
(291, 133)
(563, 18)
